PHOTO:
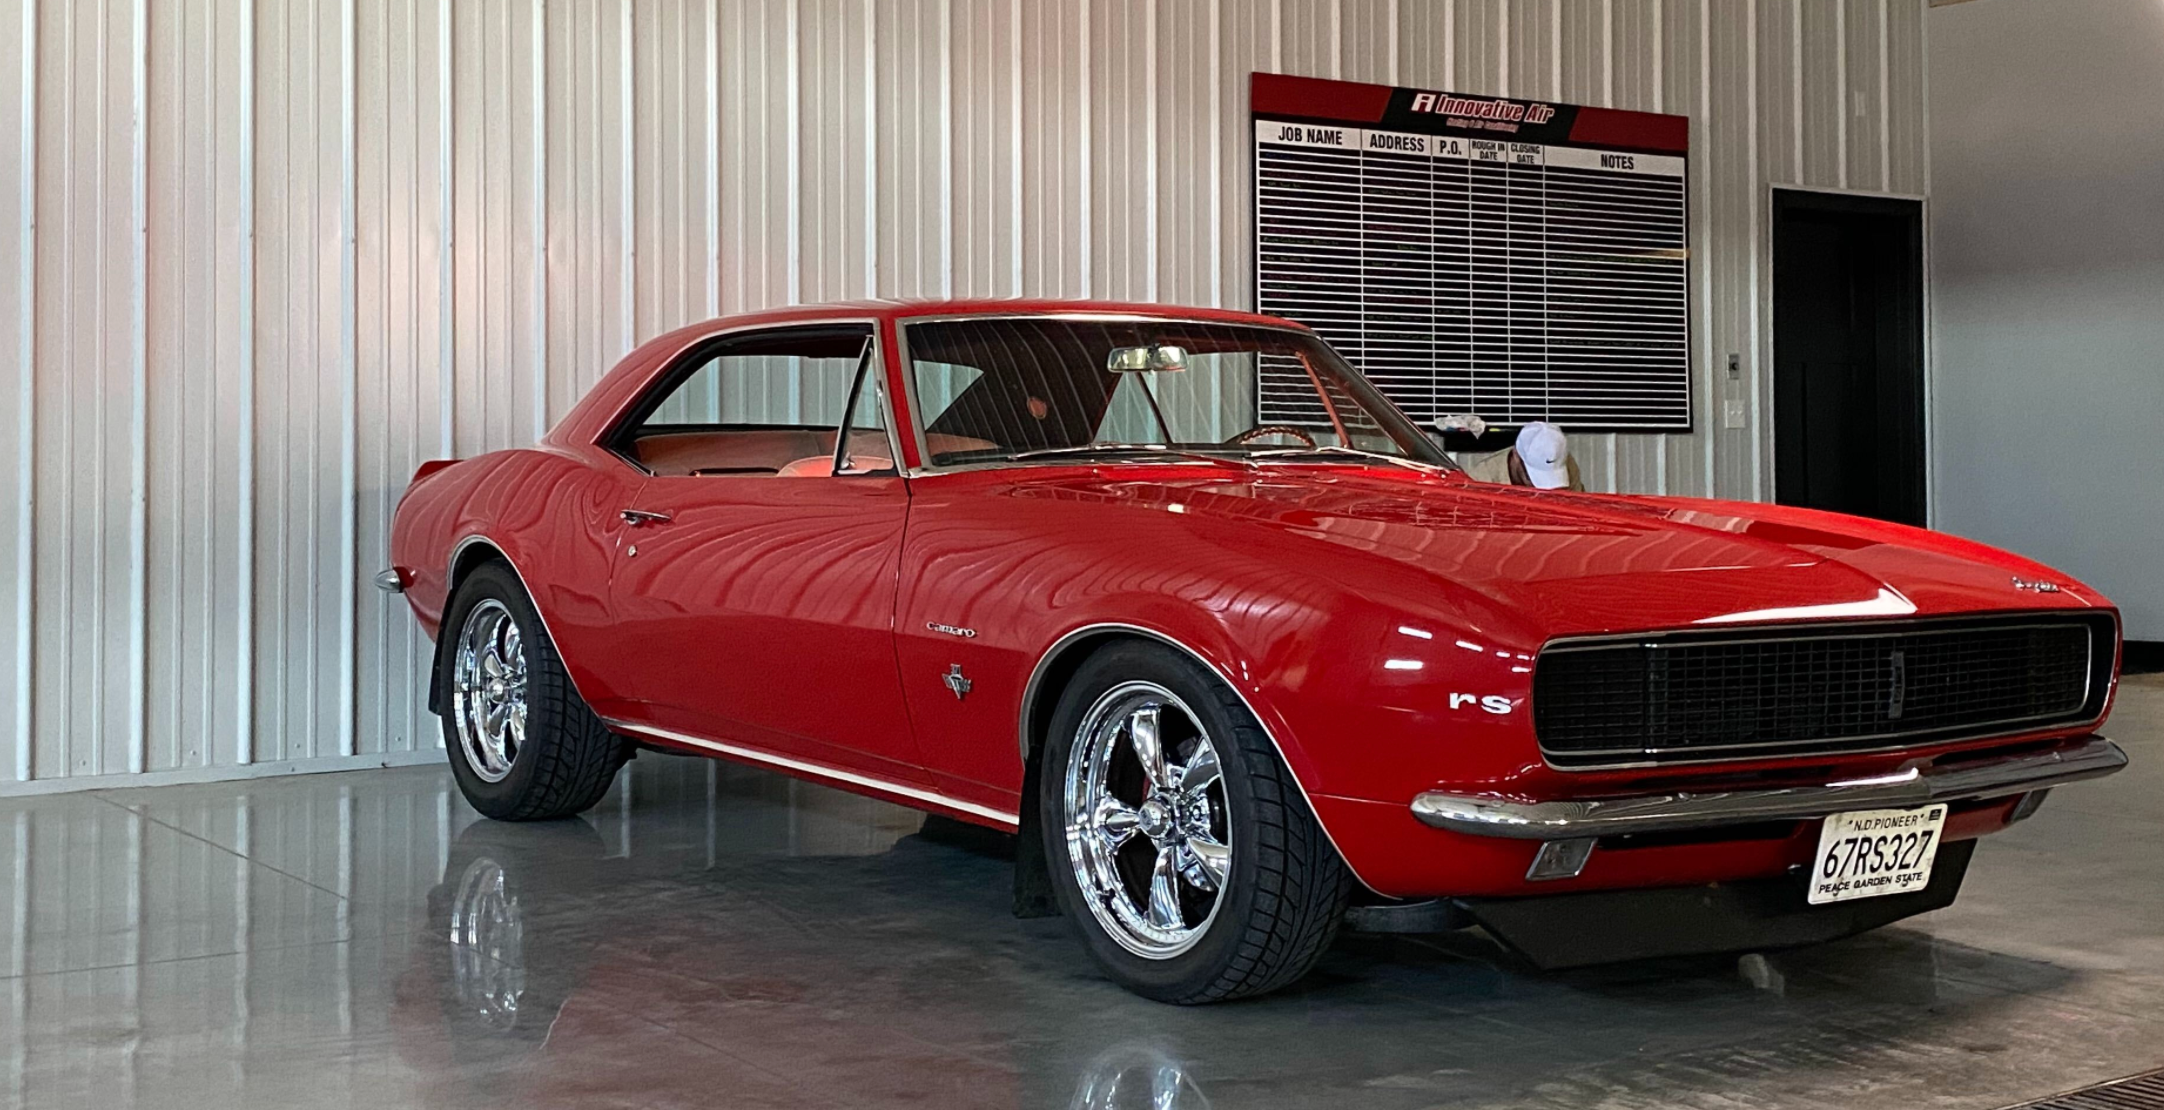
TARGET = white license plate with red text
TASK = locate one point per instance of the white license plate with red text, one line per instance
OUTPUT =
(1875, 852)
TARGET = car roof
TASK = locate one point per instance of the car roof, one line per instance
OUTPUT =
(910, 308)
(617, 389)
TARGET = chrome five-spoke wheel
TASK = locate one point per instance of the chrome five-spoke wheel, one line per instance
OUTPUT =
(488, 695)
(1148, 830)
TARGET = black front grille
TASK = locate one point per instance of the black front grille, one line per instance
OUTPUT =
(1678, 697)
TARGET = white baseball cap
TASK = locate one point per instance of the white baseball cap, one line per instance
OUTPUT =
(1545, 453)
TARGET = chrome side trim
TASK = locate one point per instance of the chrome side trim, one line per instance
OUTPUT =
(1036, 678)
(818, 770)
(1484, 815)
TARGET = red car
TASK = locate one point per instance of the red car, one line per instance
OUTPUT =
(1234, 647)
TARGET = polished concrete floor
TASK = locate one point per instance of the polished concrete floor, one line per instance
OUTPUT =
(715, 936)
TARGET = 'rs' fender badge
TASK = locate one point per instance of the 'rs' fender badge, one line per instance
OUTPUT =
(956, 682)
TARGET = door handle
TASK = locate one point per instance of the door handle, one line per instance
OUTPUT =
(636, 517)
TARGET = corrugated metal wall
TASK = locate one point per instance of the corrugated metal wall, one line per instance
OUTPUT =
(258, 258)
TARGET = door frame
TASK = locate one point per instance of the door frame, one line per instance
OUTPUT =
(774, 746)
(1830, 198)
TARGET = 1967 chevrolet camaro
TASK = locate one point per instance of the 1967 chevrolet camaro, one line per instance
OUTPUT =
(1180, 598)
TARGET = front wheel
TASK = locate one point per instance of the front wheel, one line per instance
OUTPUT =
(1178, 841)
(523, 744)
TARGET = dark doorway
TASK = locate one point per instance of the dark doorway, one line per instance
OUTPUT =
(1848, 354)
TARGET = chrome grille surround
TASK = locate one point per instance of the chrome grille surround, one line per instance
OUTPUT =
(1820, 688)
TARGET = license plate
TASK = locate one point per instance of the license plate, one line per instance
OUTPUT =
(1871, 853)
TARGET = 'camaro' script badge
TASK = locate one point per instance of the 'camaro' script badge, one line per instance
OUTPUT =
(956, 682)
(2021, 583)
(951, 630)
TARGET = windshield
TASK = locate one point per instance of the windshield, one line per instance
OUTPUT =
(1026, 388)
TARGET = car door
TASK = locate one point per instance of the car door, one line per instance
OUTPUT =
(757, 581)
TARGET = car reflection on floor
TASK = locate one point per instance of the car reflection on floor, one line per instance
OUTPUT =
(861, 952)
(714, 935)
(550, 941)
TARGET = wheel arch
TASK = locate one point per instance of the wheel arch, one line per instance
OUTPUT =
(468, 555)
(1058, 664)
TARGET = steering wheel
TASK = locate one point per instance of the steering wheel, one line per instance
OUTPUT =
(1272, 430)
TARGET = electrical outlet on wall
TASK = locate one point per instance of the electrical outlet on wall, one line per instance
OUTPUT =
(1732, 413)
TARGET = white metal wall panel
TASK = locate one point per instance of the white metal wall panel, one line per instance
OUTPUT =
(1057, 57)
(1623, 40)
(670, 168)
(1582, 71)
(590, 268)
(1249, 39)
(1310, 36)
(1426, 41)
(402, 403)
(1189, 251)
(984, 140)
(351, 235)
(1728, 151)
(1864, 94)
(500, 370)
(760, 144)
(913, 89)
(1480, 50)
(302, 423)
(1368, 33)
(1684, 63)
(195, 171)
(1123, 166)
(18, 188)
(85, 682)
(837, 117)
(1906, 149)
(1822, 50)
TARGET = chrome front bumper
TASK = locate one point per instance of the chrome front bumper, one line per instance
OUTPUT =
(1585, 820)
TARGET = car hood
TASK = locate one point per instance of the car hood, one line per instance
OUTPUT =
(1576, 563)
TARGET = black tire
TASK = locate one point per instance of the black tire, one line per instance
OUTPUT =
(569, 757)
(1286, 889)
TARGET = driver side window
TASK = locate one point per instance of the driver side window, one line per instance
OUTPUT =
(771, 404)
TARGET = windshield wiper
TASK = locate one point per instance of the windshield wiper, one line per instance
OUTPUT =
(1352, 452)
(1122, 449)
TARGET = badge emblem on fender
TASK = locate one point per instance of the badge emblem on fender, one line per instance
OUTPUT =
(2035, 586)
(955, 682)
(1493, 703)
(952, 630)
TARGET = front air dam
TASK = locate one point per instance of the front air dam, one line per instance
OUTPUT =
(1607, 926)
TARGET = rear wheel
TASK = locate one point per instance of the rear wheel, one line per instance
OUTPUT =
(523, 744)
(1178, 841)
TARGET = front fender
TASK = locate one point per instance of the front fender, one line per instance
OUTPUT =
(553, 516)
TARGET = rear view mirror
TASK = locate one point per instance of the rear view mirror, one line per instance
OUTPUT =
(1133, 360)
